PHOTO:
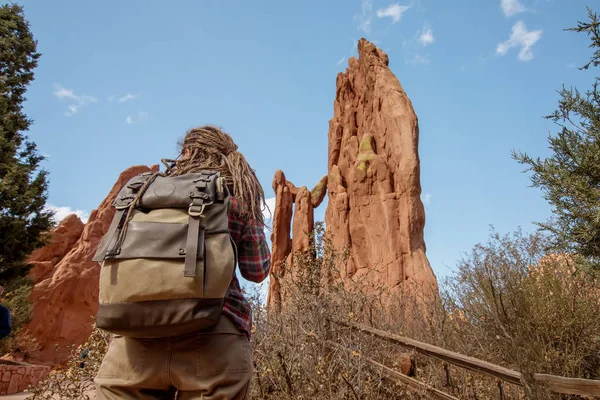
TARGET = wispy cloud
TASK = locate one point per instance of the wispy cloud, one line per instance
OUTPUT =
(512, 7)
(341, 61)
(128, 97)
(141, 116)
(63, 212)
(77, 101)
(572, 65)
(72, 110)
(418, 59)
(62, 93)
(393, 11)
(365, 17)
(522, 38)
(426, 36)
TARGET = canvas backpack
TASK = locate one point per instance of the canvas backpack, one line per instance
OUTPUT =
(167, 259)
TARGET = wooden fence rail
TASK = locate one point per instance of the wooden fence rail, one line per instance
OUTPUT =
(558, 384)
(397, 376)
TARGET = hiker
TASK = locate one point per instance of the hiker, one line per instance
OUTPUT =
(213, 363)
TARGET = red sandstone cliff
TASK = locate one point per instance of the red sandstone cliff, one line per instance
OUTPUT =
(66, 298)
(61, 241)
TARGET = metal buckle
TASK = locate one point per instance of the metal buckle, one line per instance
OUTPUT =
(196, 210)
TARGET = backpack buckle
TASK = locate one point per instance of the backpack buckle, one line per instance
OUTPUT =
(196, 210)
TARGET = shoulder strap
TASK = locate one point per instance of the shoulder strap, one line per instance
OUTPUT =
(124, 199)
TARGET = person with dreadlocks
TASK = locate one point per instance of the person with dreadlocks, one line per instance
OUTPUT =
(215, 363)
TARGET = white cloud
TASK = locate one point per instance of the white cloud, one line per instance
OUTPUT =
(79, 100)
(572, 65)
(512, 7)
(63, 212)
(418, 59)
(341, 61)
(522, 38)
(426, 199)
(128, 97)
(72, 110)
(61, 93)
(393, 11)
(426, 36)
(141, 116)
(366, 16)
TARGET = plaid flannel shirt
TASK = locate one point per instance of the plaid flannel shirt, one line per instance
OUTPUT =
(254, 262)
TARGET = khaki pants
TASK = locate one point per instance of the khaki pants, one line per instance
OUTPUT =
(209, 365)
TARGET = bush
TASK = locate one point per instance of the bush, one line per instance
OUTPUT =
(16, 299)
(513, 304)
(75, 381)
(508, 303)
(295, 352)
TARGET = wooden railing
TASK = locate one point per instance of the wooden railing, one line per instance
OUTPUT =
(557, 384)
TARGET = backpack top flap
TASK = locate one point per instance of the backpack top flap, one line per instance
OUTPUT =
(194, 192)
(173, 191)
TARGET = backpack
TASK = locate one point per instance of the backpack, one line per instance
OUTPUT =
(167, 259)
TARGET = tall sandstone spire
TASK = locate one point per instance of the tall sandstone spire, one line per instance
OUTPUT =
(374, 207)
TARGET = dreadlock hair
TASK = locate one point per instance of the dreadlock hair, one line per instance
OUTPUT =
(211, 148)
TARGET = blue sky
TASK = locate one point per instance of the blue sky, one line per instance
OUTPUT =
(119, 82)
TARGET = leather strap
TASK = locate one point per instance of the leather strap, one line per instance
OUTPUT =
(116, 224)
(200, 261)
(191, 247)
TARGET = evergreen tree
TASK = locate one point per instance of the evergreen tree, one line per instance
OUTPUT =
(23, 184)
(570, 177)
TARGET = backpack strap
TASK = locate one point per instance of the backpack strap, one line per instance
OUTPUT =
(194, 253)
(121, 203)
(115, 225)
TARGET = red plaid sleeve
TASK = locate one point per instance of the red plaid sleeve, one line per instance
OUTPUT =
(254, 256)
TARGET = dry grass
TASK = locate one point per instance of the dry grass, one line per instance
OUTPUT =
(512, 304)
(497, 307)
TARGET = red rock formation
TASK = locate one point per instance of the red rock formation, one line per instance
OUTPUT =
(317, 194)
(284, 246)
(61, 241)
(64, 304)
(281, 243)
(304, 224)
(374, 186)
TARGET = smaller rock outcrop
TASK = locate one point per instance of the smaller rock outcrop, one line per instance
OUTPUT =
(61, 240)
(281, 242)
(299, 202)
